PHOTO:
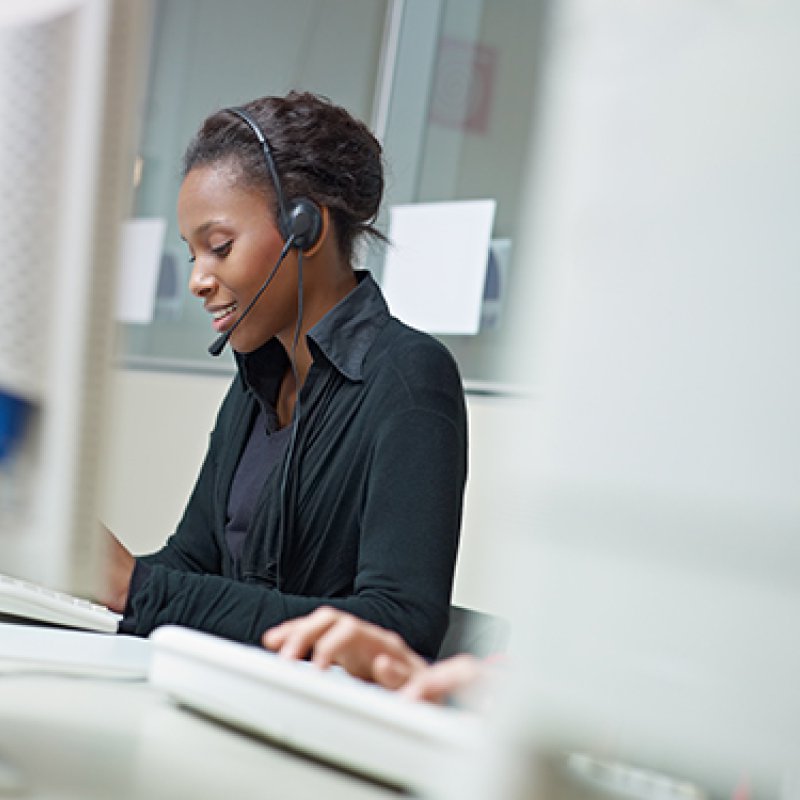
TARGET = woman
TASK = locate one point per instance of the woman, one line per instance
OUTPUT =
(336, 468)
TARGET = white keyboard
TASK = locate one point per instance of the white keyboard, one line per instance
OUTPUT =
(37, 649)
(324, 713)
(27, 601)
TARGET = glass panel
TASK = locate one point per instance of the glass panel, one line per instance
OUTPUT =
(206, 55)
(459, 124)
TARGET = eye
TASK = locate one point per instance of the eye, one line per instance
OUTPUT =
(222, 250)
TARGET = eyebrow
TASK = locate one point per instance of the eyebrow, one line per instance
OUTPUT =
(200, 229)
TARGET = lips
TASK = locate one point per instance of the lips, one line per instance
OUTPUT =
(223, 318)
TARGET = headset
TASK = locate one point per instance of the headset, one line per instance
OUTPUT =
(300, 224)
(299, 220)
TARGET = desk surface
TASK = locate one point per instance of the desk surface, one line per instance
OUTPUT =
(76, 737)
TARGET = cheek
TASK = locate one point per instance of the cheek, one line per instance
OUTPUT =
(277, 304)
(252, 261)
(265, 246)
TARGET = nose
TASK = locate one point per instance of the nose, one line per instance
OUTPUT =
(201, 283)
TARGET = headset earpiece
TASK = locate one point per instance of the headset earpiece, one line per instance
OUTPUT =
(303, 220)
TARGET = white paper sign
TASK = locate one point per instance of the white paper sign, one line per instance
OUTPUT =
(142, 245)
(435, 267)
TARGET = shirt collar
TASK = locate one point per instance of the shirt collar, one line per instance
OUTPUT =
(347, 331)
(343, 336)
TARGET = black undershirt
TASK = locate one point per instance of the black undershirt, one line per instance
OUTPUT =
(264, 451)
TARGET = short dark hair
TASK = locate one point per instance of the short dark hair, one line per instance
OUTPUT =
(320, 151)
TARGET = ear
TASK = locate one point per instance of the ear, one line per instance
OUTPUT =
(323, 234)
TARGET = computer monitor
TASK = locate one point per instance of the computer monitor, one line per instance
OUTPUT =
(71, 86)
(650, 519)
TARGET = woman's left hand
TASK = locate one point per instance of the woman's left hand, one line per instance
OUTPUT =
(331, 637)
(119, 564)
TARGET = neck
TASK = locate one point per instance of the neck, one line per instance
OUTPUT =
(318, 299)
(287, 397)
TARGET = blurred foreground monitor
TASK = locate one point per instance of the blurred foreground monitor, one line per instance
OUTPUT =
(649, 542)
(70, 90)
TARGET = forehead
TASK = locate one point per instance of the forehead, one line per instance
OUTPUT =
(216, 190)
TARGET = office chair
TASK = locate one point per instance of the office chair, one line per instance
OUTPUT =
(474, 632)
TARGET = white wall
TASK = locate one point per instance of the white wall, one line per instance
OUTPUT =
(159, 431)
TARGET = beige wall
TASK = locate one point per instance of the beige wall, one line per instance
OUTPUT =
(159, 430)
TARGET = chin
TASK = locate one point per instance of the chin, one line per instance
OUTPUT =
(247, 345)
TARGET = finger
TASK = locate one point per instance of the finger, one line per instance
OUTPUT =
(392, 673)
(273, 638)
(425, 688)
(441, 680)
(354, 643)
(342, 643)
(301, 639)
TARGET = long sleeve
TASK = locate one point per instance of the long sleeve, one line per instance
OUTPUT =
(194, 548)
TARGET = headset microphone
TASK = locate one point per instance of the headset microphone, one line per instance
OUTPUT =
(219, 343)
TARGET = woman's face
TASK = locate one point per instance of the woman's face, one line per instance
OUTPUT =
(234, 242)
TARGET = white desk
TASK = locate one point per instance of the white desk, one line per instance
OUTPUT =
(84, 738)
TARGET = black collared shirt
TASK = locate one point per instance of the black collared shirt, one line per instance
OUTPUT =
(368, 516)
